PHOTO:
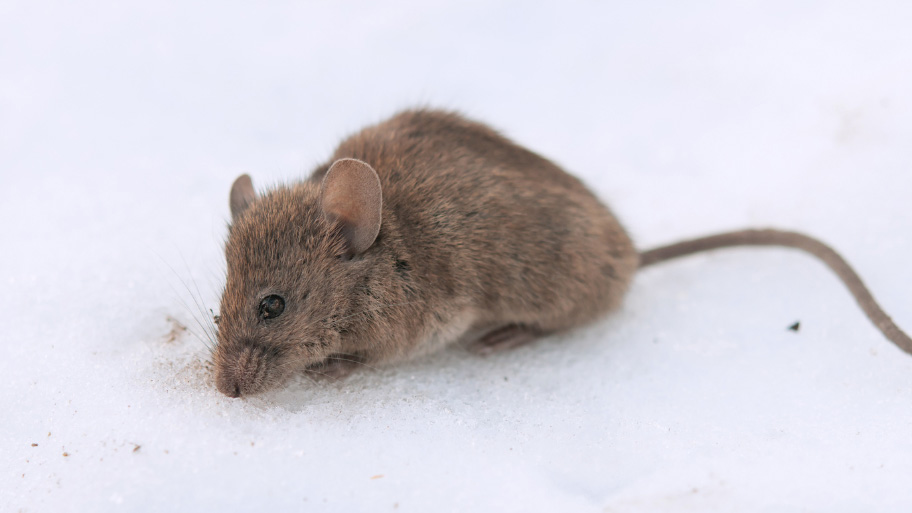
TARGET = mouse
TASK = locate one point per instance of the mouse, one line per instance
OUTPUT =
(427, 230)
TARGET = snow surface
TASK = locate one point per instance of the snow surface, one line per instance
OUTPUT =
(122, 126)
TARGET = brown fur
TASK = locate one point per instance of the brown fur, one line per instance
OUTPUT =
(477, 235)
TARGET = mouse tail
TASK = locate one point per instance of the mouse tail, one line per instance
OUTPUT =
(769, 237)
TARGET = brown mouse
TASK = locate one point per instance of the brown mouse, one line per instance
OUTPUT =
(425, 230)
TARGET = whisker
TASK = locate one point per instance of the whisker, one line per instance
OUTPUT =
(331, 357)
(309, 378)
(198, 302)
(325, 375)
(209, 335)
(211, 330)
(181, 325)
(208, 341)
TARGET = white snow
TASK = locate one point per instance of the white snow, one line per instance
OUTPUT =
(122, 126)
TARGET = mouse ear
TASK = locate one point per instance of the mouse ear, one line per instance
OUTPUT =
(351, 194)
(242, 195)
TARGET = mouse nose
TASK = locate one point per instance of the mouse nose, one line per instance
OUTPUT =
(228, 385)
(239, 370)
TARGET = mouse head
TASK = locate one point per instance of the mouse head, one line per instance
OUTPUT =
(295, 258)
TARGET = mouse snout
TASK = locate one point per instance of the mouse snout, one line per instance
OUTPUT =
(241, 372)
(229, 387)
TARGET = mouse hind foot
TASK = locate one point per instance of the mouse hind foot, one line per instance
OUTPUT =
(503, 338)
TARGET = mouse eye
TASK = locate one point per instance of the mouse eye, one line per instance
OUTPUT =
(271, 307)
